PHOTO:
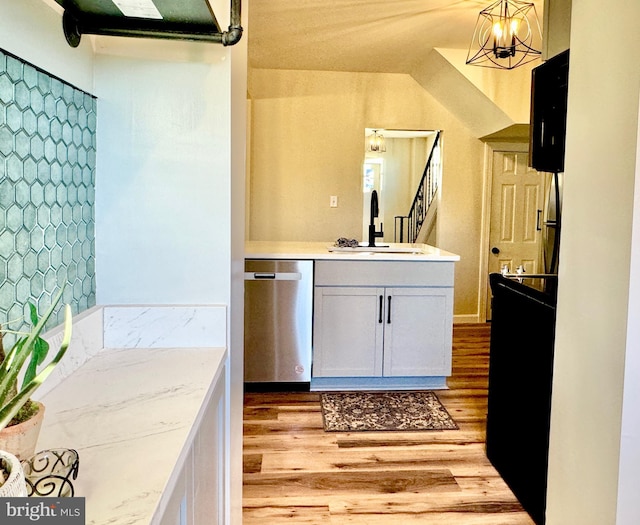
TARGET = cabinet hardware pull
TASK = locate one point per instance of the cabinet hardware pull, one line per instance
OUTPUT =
(538, 228)
(389, 311)
(380, 312)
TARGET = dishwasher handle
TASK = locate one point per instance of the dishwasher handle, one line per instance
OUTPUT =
(272, 276)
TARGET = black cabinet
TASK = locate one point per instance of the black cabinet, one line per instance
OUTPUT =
(520, 378)
(549, 87)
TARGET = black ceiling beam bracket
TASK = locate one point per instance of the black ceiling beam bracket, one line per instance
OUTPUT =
(186, 20)
(71, 29)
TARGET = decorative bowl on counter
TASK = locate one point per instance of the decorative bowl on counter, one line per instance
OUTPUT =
(49, 472)
(13, 485)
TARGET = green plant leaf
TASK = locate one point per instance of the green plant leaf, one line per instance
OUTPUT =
(33, 313)
(19, 354)
(6, 386)
(10, 409)
(40, 351)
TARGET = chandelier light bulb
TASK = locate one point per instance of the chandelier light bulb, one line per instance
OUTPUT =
(376, 143)
(507, 35)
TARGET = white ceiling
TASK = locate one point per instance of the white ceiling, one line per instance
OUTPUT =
(391, 36)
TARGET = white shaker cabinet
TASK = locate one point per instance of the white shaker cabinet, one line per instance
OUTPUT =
(198, 496)
(382, 324)
(348, 331)
(417, 335)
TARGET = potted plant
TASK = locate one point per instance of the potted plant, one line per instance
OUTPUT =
(18, 413)
(12, 481)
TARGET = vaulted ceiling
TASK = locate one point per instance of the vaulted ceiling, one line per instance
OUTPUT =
(377, 36)
(392, 36)
(395, 36)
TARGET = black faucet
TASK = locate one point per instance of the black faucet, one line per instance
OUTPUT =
(372, 226)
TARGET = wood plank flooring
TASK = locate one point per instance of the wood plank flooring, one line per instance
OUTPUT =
(294, 472)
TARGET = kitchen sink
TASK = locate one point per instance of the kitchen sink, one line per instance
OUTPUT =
(380, 248)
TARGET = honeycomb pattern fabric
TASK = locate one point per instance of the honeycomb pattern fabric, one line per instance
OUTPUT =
(47, 190)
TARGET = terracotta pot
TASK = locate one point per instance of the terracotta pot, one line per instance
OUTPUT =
(15, 485)
(20, 440)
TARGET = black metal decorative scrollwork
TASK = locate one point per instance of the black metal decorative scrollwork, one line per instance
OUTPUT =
(49, 472)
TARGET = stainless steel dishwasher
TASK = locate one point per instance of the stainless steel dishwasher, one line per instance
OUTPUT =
(277, 321)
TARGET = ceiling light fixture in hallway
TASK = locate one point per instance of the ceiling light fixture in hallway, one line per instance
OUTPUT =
(507, 35)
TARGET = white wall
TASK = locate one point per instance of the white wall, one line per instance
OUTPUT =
(486, 100)
(557, 27)
(163, 164)
(164, 189)
(404, 163)
(628, 511)
(594, 314)
(163, 185)
(239, 124)
(307, 144)
(171, 161)
(33, 31)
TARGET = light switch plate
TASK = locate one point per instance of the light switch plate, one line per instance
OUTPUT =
(333, 201)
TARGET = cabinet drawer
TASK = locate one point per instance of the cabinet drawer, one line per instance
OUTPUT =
(383, 273)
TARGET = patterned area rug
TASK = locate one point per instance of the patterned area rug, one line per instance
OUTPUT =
(367, 411)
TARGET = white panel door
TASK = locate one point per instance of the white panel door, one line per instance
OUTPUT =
(417, 338)
(348, 331)
(516, 215)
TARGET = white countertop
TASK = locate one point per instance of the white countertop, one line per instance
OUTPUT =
(130, 414)
(320, 251)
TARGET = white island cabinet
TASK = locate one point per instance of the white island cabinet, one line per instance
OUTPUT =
(382, 324)
(142, 396)
(380, 320)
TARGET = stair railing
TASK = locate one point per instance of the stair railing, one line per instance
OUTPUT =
(427, 189)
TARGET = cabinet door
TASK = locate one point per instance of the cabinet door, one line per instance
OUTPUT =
(199, 495)
(176, 510)
(417, 337)
(348, 331)
(209, 461)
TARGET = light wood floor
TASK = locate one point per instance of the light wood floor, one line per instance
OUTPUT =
(297, 473)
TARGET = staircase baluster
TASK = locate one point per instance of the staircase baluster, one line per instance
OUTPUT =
(427, 189)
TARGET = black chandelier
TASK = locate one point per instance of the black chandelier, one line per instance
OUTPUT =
(507, 35)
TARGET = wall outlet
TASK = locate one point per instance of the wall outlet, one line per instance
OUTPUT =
(333, 201)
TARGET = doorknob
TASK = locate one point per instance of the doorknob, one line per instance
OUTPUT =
(495, 250)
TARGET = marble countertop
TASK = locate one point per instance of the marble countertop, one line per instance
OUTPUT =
(131, 415)
(320, 251)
